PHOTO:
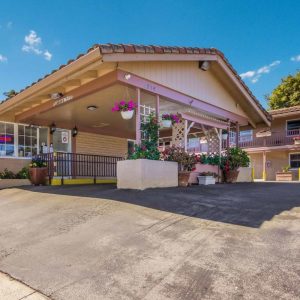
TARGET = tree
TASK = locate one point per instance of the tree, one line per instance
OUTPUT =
(10, 94)
(286, 94)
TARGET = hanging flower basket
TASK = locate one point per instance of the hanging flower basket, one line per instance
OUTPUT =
(166, 123)
(297, 140)
(127, 115)
(126, 109)
(169, 119)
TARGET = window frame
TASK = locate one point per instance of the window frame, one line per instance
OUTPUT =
(286, 126)
(16, 140)
(290, 160)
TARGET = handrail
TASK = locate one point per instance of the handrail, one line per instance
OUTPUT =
(74, 165)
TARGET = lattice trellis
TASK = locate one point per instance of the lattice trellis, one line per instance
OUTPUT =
(178, 134)
(213, 142)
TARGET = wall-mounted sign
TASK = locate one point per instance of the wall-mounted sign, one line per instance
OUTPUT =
(64, 137)
(62, 100)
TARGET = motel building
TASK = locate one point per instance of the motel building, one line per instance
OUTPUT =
(66, 117)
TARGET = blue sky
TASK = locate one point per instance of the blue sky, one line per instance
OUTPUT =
(260, 38)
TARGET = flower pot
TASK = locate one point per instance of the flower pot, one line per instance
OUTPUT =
(297, 142)
(166, 123)
(38, 175)
(231, 176)
(183, 178)
(224, 136)
(127, 115)
(205, 180)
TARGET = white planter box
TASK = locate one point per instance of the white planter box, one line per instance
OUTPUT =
(206, 180)
(141, 174)
(8, 183)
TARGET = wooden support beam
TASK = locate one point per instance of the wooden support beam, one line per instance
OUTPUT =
(138, 117)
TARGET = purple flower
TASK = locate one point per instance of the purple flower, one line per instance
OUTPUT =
(122, 103)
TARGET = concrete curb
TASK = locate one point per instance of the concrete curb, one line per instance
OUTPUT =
(12, 289)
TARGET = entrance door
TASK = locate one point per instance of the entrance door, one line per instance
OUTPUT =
(62, 145)
(62, 141)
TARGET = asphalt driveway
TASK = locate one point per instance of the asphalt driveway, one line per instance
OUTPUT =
(237, 241)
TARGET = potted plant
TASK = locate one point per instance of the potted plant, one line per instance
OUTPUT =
(186, 163)
(38, 171)
(231, 161)
(126, 109)
(169, 119)
(296, 140)
(206, 178)
(285, 174)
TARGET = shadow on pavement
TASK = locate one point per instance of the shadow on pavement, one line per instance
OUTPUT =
(246, 204)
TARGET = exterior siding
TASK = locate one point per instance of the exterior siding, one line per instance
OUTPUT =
(90, 143)
(276, 161)
(187, 78)
(13, 164)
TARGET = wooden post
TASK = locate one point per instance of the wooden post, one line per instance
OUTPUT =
(185, 134)
(264, 175)
(138, 118)
(228, 137)
(157, 108)
(237, 134)
(299, 174)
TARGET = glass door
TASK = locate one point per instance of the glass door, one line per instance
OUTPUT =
(62, 143)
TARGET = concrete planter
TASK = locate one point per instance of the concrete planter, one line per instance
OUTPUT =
(8, 183)
(141, 174)
(284, 176)
(245, 175)
(206, 180)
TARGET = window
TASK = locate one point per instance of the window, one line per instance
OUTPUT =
(27, 141)
(7, 139)
(293, 127)
(295, 160)
(246, 136)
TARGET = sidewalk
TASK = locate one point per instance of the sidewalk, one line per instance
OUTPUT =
(11, 289)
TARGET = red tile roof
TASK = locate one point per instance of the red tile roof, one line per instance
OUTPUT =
(152, 49)
(284, 111)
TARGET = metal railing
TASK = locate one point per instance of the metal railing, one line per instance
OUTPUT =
(72, 165)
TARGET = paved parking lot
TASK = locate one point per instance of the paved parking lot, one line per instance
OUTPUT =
(237, 241)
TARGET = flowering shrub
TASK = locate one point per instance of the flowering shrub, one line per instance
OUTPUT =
(22, 174)
(124, 106)
(233, 159)
(172, 117)
(209, 159)
(38, 163)
(185, 160)
(148, 148)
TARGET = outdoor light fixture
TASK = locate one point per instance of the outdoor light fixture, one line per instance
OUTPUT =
(91, 107)
(55, 96)
(127, 76)
(74, 131)
(52, 128)
(204, 65)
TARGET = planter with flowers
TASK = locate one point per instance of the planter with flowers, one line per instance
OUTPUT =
(231, 161)
(126, 108)
(169, 119)
(143, 168)
(186, 163)
(38, 171)
(296, 140)
(206, 178)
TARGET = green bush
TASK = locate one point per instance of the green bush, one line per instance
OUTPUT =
(22, 174)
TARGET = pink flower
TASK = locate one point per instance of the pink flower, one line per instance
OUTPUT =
(122, 103)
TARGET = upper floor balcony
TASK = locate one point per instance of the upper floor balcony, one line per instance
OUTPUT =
(273, 140)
